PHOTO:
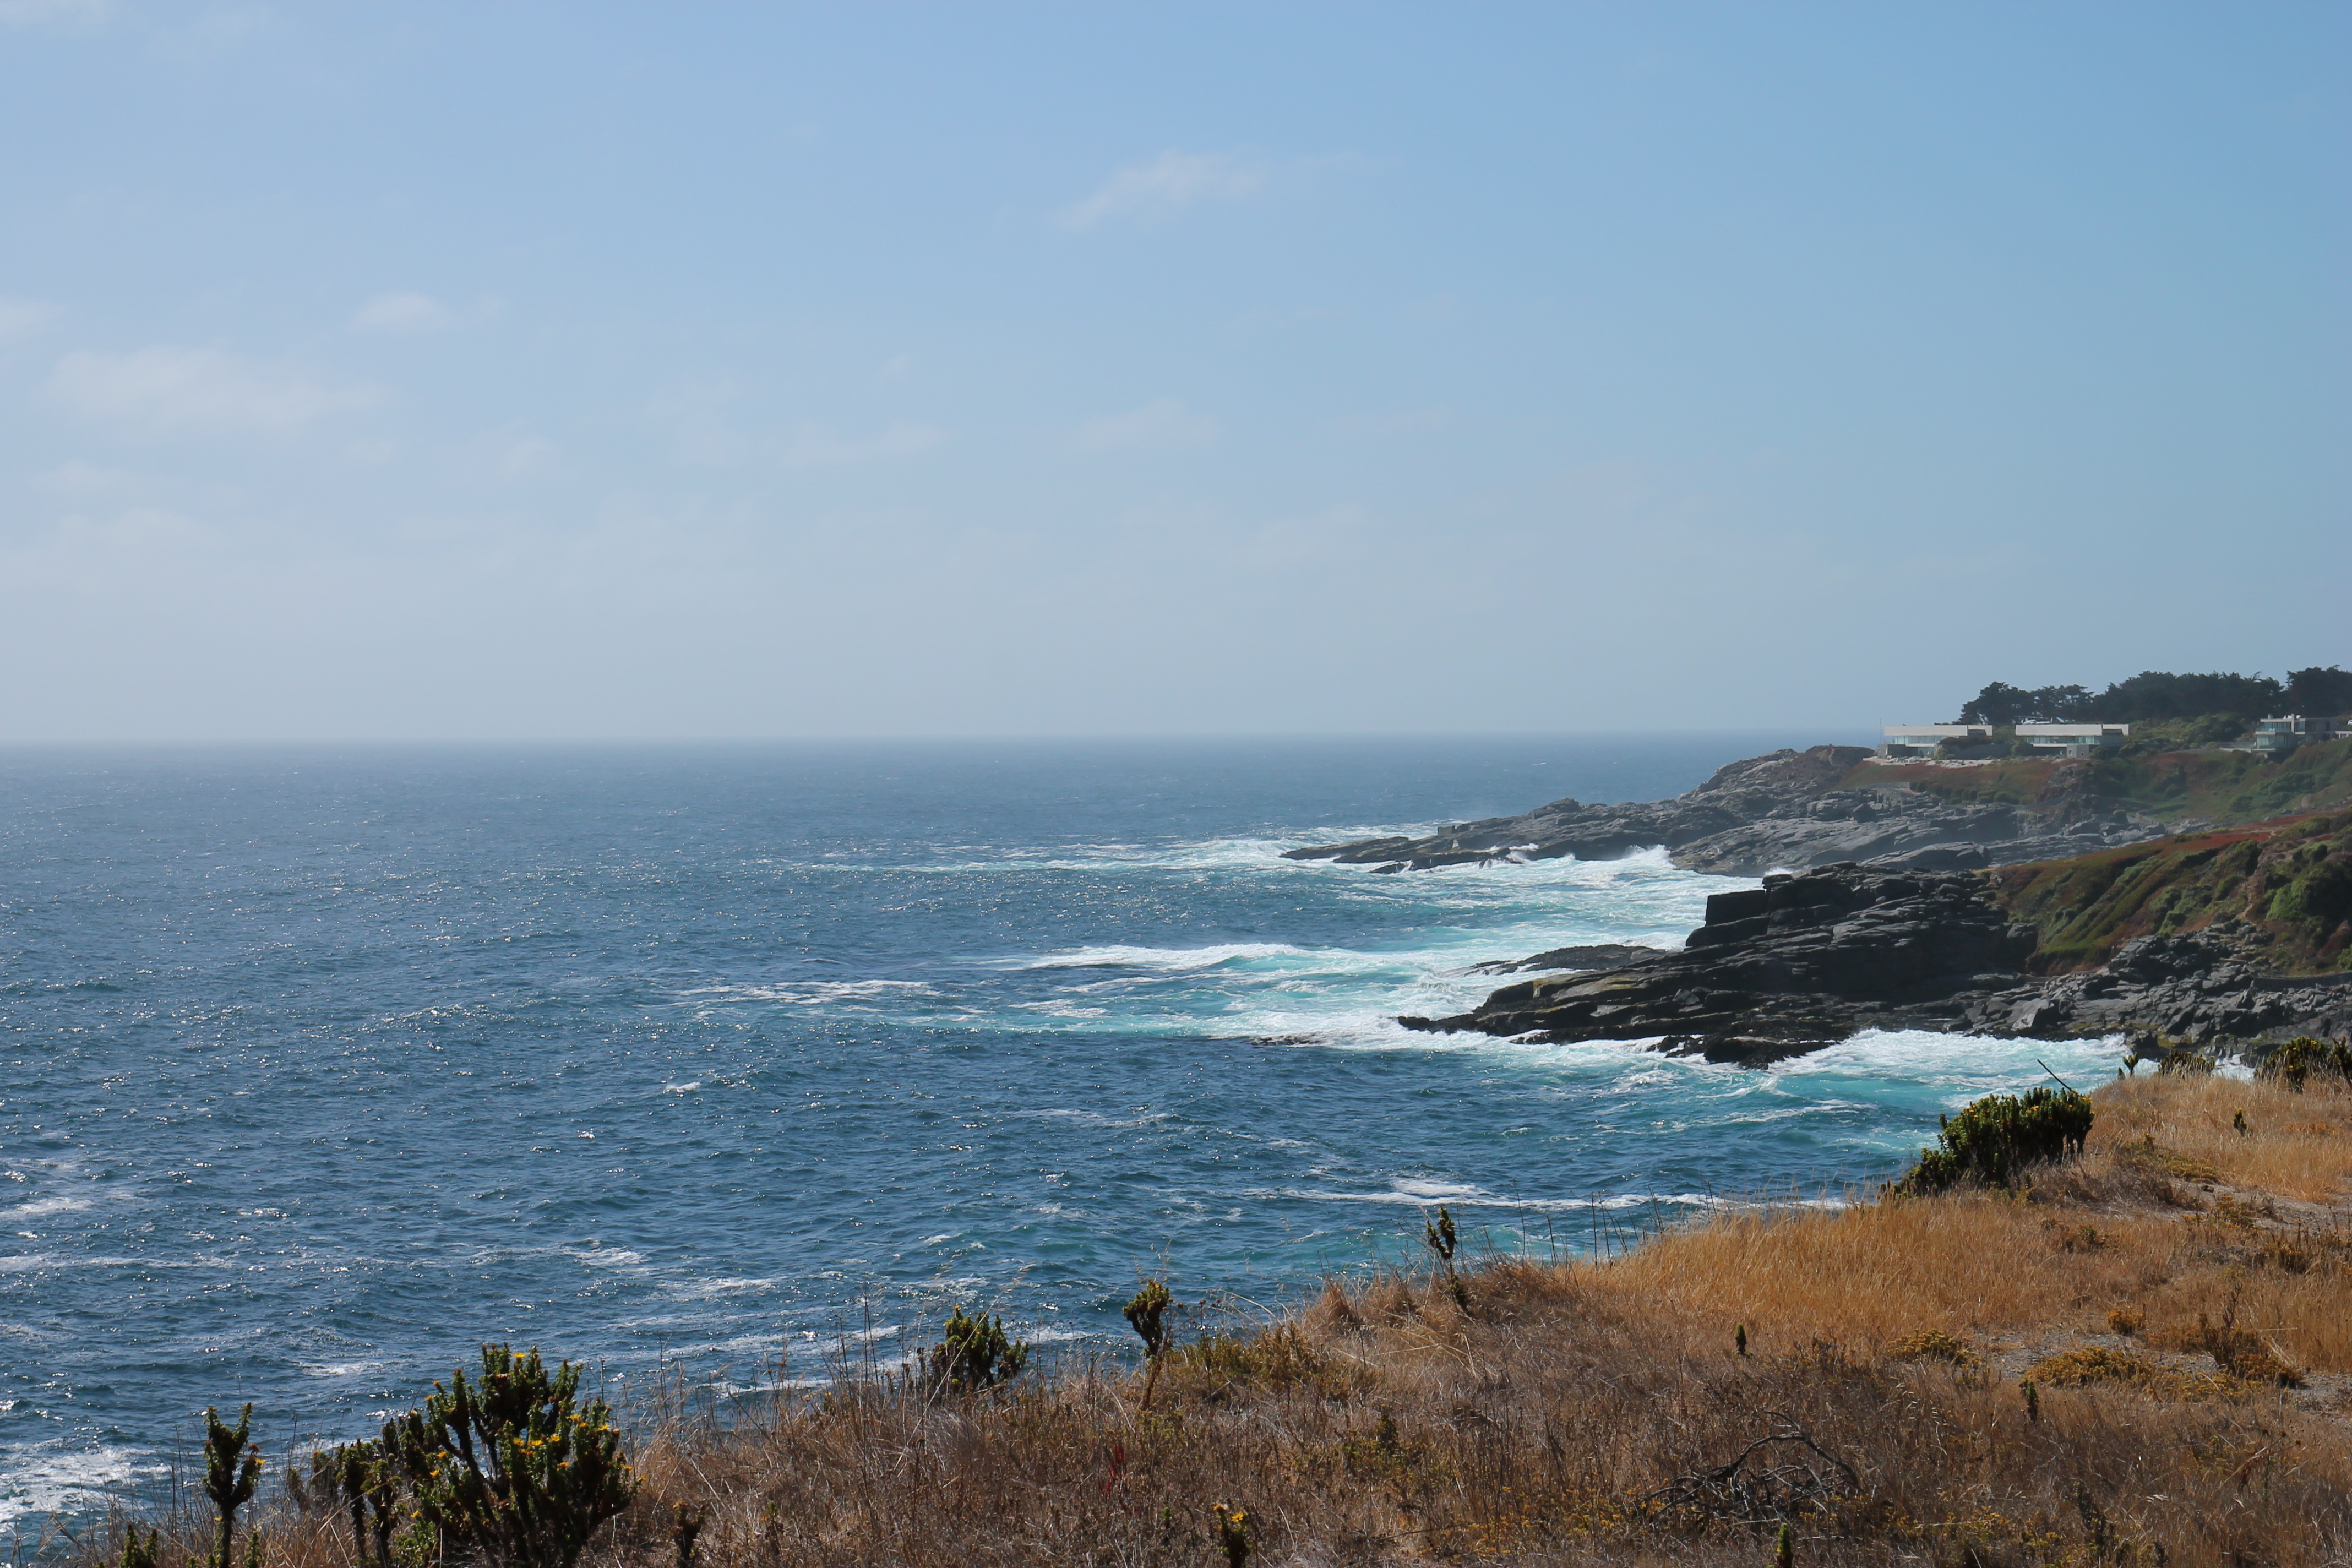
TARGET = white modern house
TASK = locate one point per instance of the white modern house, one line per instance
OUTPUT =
(2285, 734)
(1921, 740)
(2074, 740)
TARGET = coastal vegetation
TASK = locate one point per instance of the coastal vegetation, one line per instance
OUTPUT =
(2135, 1355)
(2156, 696)
(2218, 787)
(512, 1465)
(2000, 1140)
(2282, 888)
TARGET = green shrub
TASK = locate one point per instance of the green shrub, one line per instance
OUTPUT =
(1441, 1238)
(512, 1465)
(1934, 1345)
(2093, 1363)
(363, 1475)
(231, 1465)
(1147, 1314)
(1995, 1138)
(975, 1354)
(2294, 1063)
(2322, 896)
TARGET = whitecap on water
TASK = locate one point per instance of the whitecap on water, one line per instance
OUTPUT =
(812, 992)
(47, 1478)
(1178, 959)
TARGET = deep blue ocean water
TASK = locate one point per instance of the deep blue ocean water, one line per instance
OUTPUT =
(323, 1066)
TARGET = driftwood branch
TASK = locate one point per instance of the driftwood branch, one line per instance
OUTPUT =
(1736, 1494)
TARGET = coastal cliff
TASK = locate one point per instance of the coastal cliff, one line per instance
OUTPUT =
(2219, 938)
(1791, 810)
(1806, 961)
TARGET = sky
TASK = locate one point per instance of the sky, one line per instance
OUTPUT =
(539, 372)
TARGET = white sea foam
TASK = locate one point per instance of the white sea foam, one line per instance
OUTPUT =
(1178, 960)
(1480, 1199)
(1432, 1192)
(815, 993)
(1963, 1066)
(707, 1289)
(607, 1257)
(47, 1477)
(341, 1369)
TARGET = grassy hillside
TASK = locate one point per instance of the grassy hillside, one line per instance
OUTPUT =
(2155, 1375)
(2226, 787)
(2290, 879)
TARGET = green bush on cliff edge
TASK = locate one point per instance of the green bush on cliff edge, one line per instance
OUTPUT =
(1994, 1141)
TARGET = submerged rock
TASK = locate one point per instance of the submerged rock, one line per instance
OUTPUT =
(1600, 956)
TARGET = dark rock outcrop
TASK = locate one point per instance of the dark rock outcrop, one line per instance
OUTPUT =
(1802, 962)
(1895, 829)
(1600, 956)
(1738, 793)
(2199, 988)
(1805, 961)
(1782, 810)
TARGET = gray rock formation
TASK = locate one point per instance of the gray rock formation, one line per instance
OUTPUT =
(1802, 962)
(1600, 956)
(1807, 960)
(1780, 811)
(2197, 988)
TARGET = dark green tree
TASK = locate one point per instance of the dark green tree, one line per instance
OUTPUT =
(2001, 703)
(2156, 694)
(2321, 692)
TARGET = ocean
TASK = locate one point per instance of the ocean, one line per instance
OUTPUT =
(753, 1062)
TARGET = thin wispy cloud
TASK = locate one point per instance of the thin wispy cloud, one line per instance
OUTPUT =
(1161, 424)
(173, 388)
(404, 311)
(52, 12)
(1147, 192)
(78, 478)
(23, 318)
(531, 455)
(818, 447)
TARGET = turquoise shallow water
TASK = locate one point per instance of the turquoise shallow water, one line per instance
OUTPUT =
(322, 1066)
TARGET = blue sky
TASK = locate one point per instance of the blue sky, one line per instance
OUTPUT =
(523, 371)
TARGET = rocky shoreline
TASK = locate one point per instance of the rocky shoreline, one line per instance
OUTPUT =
(1807, 960)
(1787, 810)
(1875, 913)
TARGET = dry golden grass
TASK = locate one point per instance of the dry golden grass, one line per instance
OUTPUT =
(2171, 1214)
(2296, 1146)
(1572, 1413)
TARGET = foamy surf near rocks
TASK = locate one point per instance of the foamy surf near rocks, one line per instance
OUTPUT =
(1809, 960)
(1803, 962)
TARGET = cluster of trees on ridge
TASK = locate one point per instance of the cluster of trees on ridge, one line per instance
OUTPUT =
(2154, 696)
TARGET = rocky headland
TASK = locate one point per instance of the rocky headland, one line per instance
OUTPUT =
(1807, 960)
(2054, 913)
(1783, 811)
